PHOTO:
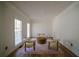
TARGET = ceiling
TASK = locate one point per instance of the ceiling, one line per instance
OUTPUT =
(42, 10)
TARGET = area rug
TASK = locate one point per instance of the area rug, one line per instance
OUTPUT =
(42, 54)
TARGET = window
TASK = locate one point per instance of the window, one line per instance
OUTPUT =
(28, 30)
(18, 31)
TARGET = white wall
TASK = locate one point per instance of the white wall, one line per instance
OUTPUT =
(0, 27)
(41, 26)
(0, 30)
(66, 27)
(8, 39)
(2, 5)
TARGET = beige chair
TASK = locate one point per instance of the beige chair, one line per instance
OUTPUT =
(53, 44)
(29, 44)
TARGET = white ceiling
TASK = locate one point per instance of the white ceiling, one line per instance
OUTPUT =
(42, 10)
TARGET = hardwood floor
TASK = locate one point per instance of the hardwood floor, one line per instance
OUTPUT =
(41, 50)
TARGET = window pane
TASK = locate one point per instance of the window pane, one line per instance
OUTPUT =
(18, 31)
(28, 30)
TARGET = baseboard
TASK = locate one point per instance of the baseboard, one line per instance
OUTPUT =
(65, 49)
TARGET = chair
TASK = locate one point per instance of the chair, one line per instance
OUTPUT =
(41, 39)
(30, 44)
(53, 44)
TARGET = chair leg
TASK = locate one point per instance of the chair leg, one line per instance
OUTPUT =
(48, 45)
(34, 46)
(57, 45)
(25, 47)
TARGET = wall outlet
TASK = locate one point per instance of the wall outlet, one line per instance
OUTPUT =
(6, 47)
(71, 44)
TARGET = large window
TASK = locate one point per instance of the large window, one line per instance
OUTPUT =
(18, 31)
(28, 30)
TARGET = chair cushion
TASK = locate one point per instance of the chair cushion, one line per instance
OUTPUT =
(53, 44)
(29, 44)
